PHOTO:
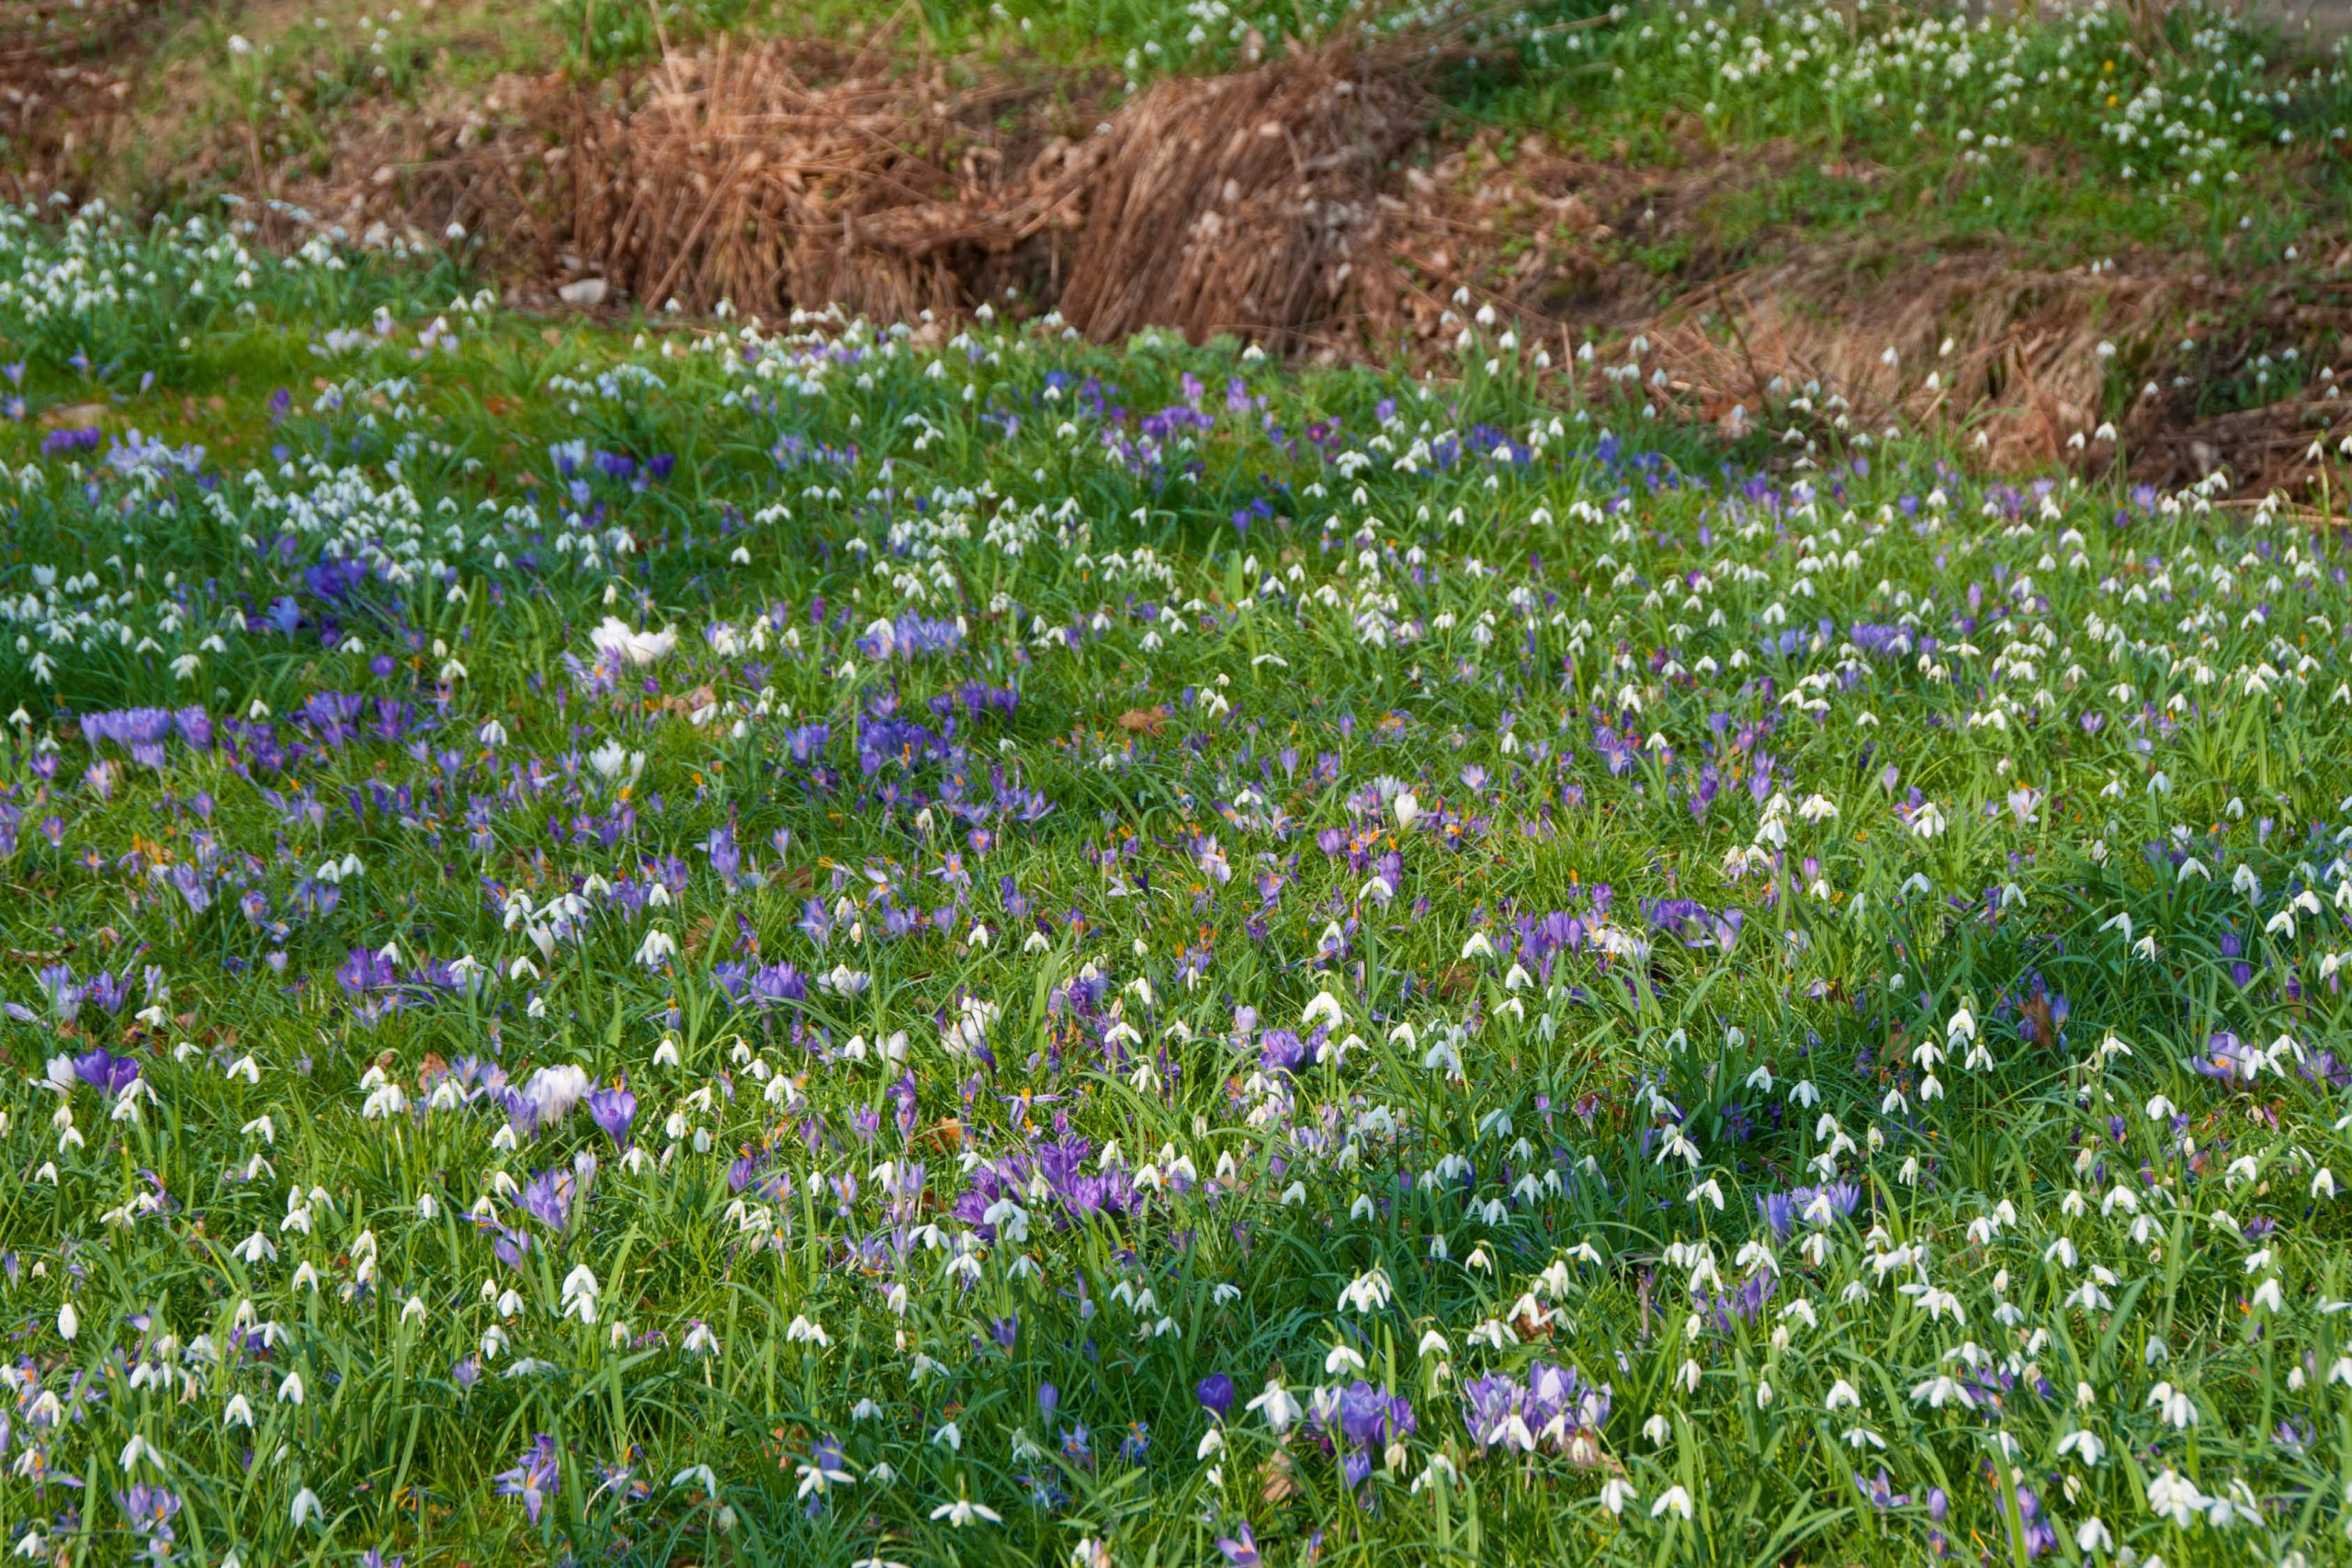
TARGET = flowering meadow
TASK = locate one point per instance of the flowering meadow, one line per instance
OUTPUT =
(808, 943)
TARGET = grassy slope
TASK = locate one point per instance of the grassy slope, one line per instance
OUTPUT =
(1505, 637)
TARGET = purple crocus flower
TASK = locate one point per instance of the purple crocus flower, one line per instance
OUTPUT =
(507, 1246)
(363, 972)
(2226, 1056)
(1491, 1409)
(1216, 1395)
(2039, 1536)
(535, 1478)
(613, 1108)
(105, 1072)
(547, 1196)
(150, 1511)
(1744, 1303)
(64, 995)
(1560, 1400)
(108, 991)
(778, 984)
(1281, 1051)
(726, 856)
(1371, 1419)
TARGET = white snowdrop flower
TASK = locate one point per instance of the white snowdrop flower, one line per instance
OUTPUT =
(964, 1512)
(2084, 1446)
(1939, 1390)
(1367, 1292)
(2173, 1405)
(631, 646)
(579, 1294)
(1276, 1404)
(2173, 1498)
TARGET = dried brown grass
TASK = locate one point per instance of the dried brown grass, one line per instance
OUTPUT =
(2022, 361)
(1249, 204)
(784, 175)
(2013, 357)
(735, 179)
(2012, 354)
(65, 76)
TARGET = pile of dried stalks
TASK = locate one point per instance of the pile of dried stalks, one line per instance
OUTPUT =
(780, 176)
(2023, 361)
(1247, 204)
(732, 179)
(2016, 355)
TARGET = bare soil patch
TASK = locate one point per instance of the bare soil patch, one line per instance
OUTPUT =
(65, 77)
